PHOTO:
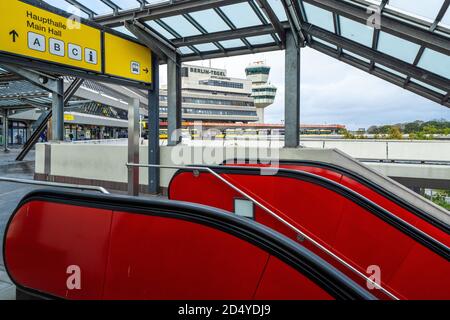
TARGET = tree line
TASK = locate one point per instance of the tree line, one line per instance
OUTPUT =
(417, 130)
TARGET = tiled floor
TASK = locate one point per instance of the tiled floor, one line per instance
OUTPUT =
(10, 194)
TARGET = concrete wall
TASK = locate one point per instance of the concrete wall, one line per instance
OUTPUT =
(387, 150)
(105, 165)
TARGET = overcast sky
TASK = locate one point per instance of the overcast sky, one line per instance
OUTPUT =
(334, 92)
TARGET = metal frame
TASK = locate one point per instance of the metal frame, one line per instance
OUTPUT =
(296, 21)
(394, 26)
(54, 184)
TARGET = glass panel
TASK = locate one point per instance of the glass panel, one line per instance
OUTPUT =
(319, 17)
(357, 56)
(97, 6)
(401, 75)
(153, 2)
(234, 43)
(356, 31)
(423, 84)
(278, 8)
(257, 40)
(436, 62)
(427, 10)
(206, 47)
(446, 20)
(210, 20)
(181, 26)
(185, 50)
(241, 15)
(127, 4)
(398, 47)
(124, 31)
(325, 43)
(67, 7)
(155, 26)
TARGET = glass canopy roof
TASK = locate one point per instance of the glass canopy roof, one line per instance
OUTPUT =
(411, 47)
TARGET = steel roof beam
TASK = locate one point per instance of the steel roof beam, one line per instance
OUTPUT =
(230, 53)
(159, 46)
(225, 35)
(391, 25)
(378, 57)
(272, 17)
(43, 81)
(293, 14)
(153, 12)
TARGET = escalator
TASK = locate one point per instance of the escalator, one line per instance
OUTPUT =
(82, 246)
(361, 226)
(435, 225)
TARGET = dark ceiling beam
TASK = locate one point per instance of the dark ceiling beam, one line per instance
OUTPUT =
(225, 35)
(376, 31)
(293, 13)
(229, 53)
(153, 12)
(273, 19)
(379, 57)
(9, 77)
(159, 46)
(391, 25)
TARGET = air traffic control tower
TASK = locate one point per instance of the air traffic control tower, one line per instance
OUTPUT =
(262, 91)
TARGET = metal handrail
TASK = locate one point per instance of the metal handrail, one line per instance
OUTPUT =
(273, 214)
(54, 184)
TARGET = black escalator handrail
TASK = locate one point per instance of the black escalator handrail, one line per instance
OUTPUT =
(401, 225)
(371, 185)
(315, 268)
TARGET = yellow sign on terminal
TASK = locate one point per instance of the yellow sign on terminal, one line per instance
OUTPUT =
(127, 59)
(36, 33)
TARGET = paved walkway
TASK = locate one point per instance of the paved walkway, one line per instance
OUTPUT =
(10, 195)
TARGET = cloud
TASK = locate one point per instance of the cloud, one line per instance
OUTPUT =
(334, 92)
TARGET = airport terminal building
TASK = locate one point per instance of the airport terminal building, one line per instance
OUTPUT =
(210, 95)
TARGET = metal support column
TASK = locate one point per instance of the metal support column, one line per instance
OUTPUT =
(174, 105)
(58, 111)
(133, 147)
(5, 130)
(292, 94)
(153, 134)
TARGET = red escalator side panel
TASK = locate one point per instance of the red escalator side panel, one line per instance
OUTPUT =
(423, 276)
(379, 199)
(282, 282)
(162, 258)
(351, 231)
(45, 238)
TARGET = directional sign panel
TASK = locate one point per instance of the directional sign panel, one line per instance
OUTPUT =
(127, 59)
(33, 32)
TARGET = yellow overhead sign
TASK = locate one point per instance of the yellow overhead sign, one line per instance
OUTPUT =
(36, 33)
(69, 117)
(127, 59)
